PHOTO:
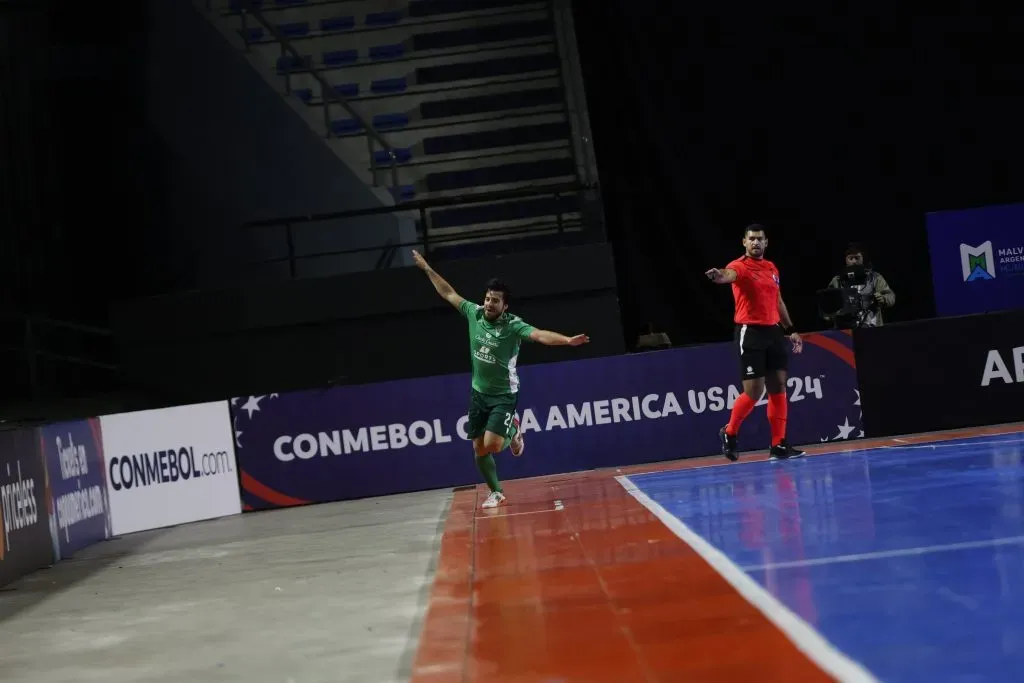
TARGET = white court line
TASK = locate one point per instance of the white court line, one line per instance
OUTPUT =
(959, 444)
(807, 640)
(900, 552)
(964, 441)
(517, 514)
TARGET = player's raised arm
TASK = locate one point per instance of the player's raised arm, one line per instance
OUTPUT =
(549, 338)
(446, 291)
(721, 276)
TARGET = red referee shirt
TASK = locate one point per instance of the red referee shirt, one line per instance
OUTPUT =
(756, 291)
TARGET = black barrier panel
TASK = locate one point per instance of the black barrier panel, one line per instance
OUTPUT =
(25, 540)
(943, 373)
(358, 328)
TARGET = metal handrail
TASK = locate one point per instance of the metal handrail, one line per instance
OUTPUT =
(327, 92)
(33, 352)
(429, 203)
(425, 240)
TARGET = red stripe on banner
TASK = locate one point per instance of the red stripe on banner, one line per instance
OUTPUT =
(832, 346)
(97, 435)
(268, 494)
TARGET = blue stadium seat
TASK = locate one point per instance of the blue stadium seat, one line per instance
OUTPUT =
(397, 120)
(389, 85)
(402, 155)
(345, 126)
(387, 51)
(294, 29)
(403, 193)
(332, 24)
(384, 18)
(347, 89)
(340, 57)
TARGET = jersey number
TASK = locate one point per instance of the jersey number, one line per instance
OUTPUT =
(508, 423)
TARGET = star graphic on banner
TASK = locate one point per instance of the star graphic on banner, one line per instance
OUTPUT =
(845, 430)
(238, 434)
(252, 405)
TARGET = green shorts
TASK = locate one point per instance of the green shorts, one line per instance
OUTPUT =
(491, 413)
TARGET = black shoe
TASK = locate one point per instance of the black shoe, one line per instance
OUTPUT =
(728, 445)
(785, 452)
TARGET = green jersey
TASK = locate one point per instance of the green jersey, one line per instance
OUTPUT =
(494, 348)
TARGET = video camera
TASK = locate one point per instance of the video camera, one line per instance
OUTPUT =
(845, 305)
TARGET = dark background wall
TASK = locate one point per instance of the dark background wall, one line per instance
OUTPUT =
(363, 327)
(828, 127)
(225, 148)
(136, 141)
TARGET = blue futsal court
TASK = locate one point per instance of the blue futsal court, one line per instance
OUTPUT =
(900, 563)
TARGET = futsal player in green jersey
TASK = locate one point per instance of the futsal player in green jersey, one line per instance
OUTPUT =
(494, 339)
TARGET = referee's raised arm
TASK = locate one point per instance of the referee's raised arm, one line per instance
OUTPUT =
(721, 276)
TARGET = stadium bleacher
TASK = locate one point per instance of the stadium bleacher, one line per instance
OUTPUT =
(469, 94)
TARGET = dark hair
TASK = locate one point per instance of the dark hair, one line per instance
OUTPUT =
(856, 248)
(496, 285)
(754, 227)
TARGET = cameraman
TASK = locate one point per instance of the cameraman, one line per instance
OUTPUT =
(875, 294)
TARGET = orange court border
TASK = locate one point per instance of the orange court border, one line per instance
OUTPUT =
(575, 580)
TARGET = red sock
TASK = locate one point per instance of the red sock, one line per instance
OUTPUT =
(740, 409)
(778, 408)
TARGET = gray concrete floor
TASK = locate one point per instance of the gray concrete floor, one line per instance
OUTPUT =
(332, 592)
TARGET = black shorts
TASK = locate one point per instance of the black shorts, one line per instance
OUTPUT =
(762, 349)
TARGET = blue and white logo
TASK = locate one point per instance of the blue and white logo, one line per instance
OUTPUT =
(977, 263)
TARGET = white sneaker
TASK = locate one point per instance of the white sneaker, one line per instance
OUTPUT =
(494, 500)
(518, 443)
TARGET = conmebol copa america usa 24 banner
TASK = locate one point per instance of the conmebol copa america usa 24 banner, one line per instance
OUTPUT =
(377, 439)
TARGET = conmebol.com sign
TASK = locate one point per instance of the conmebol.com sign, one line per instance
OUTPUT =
(170, 466)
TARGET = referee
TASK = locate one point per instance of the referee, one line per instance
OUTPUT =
(762, 323)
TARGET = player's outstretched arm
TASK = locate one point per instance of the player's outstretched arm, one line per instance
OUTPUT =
(446, 291)
(721, 276)
(549, 338)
